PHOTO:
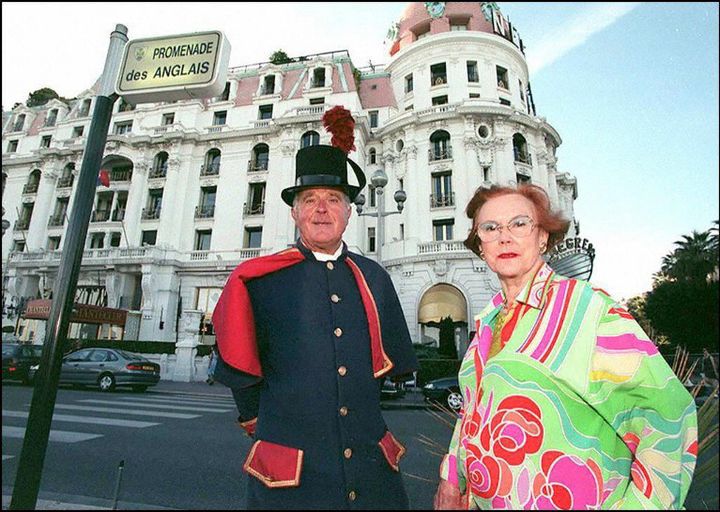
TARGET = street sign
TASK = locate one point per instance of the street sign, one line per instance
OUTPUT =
(169, 68)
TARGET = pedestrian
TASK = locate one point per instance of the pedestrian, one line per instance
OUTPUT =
(212, 364)
(567, 402)
(306, 337)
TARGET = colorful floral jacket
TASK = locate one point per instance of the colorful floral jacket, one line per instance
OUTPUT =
(578, 411)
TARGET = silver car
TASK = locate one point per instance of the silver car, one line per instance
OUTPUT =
(107, 368)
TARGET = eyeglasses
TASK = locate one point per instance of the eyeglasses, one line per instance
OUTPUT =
(520, 227)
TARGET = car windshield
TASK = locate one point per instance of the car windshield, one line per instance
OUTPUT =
(8, 350)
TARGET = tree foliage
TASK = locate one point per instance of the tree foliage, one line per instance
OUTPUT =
(41, 96)
(280, 57)
(683, 304)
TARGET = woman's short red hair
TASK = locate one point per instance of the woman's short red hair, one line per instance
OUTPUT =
(552, 222)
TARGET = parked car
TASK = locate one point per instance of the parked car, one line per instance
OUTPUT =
(17, 360)
(391, 390)
(107, 368)
(444, 391)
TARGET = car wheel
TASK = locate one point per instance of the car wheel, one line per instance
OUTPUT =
(455, 400)
(106, 382)
(139, 388)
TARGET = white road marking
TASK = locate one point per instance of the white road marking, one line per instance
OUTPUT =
(159, 414)
(57, 436)
(87, 419)
(139, 404)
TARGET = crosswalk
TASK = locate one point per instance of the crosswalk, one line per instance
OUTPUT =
(111, 412)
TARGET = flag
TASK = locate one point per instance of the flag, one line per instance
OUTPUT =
(103, 178)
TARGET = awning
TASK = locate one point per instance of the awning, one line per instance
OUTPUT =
(440, 301)
(81, 314)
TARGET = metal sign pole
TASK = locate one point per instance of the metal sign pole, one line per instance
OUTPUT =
(32, 456)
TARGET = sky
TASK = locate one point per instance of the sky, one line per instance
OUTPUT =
(632, 89)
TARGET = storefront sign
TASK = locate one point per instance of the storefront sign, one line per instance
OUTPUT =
(81, 314)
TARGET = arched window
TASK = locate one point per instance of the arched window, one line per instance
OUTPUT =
(440, 148)
(66, 178)
(310, 138)
(520, 149)
(33, 182)
(159, 168)
(373, 155)
(260, 157)
(212, 163)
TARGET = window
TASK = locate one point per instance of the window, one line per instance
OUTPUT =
(443, 229)
(102, 207)
(253, 237)
(219, 118)
(154, 204)
(520, 149)
(18, 245)
(502, 77)
(19, 123)
(474, 95)
(12, 146)
(318, 79)
(159, 168)
(521, 178)
(483, 131)
(58, 217)
(206, 208)
(149, 237)
(311, 138)
(97, 240)
(408, 83)
(255, 204)
(265, 112)
(440, 148)
(402, 231)
(225, 96)
(118, 213)
(371, 239)
(51, 118)
(409, 107)
(123, 127)
(522, 91)
(472, 71)
(261, 157)
(486, 173)
(440, 100)
(373, 119)
(505, 102)
(438, 75)
(268, 85)
(455, 26)
(115, 239)
(124, 106)
(78, 131)
(442, 194)
(53, 243)
(211, 166)
(373, 155)
(168, 119)
(373, 196)
(202, 239)
(45, 141)
(84, 108)
(317, 101)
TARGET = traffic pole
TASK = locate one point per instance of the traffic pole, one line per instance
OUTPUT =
(37, 432)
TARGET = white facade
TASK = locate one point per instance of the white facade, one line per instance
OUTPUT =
(480, 134)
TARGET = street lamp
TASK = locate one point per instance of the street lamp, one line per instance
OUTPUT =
(378, 180)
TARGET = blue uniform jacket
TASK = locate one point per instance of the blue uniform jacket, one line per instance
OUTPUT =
(318, 404)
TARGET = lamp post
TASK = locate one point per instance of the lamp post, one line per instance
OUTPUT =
(379, 179)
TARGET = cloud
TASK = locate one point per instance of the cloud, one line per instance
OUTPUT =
(575, 32)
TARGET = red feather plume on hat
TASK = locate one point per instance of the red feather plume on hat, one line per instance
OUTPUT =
(340, 123)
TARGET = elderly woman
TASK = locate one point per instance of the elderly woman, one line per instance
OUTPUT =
(567, 402)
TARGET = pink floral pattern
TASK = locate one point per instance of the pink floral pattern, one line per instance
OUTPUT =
(567, 483)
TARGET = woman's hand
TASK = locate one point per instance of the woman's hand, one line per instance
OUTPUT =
(448, 497)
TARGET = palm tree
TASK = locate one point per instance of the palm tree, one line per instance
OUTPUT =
(693, 259)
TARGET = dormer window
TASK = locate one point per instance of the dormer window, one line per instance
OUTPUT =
(226, 93)
(125, 106)
(265, 112)
(318, 79)
(85, 108)
(51, 117)
(19, 123)
(268, 85)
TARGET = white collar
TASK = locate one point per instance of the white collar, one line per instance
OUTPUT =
(321, 256)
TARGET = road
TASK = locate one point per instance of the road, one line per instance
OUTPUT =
(180, 450)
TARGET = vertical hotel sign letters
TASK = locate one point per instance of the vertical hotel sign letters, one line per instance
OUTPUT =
(170, 68)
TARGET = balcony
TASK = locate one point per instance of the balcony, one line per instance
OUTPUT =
(158, 172)
(100, 216)
(254, 209)
(442, 200)
(152, 213)
(259, 165)
(21, 224)
(435, 154)
(65, 181)
(522, 156)
(30, 188)
(210, 169)
(206, 211)
(120, 175)
(56, 220)
(443, 246)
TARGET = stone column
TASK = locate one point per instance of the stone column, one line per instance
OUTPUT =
(186, 347)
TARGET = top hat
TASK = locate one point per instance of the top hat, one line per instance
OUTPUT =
(323, 166)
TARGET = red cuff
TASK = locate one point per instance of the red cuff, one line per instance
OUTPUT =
(274, 465)
(248, 426)
(392, 449)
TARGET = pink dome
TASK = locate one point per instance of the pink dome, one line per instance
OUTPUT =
(417, 20)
